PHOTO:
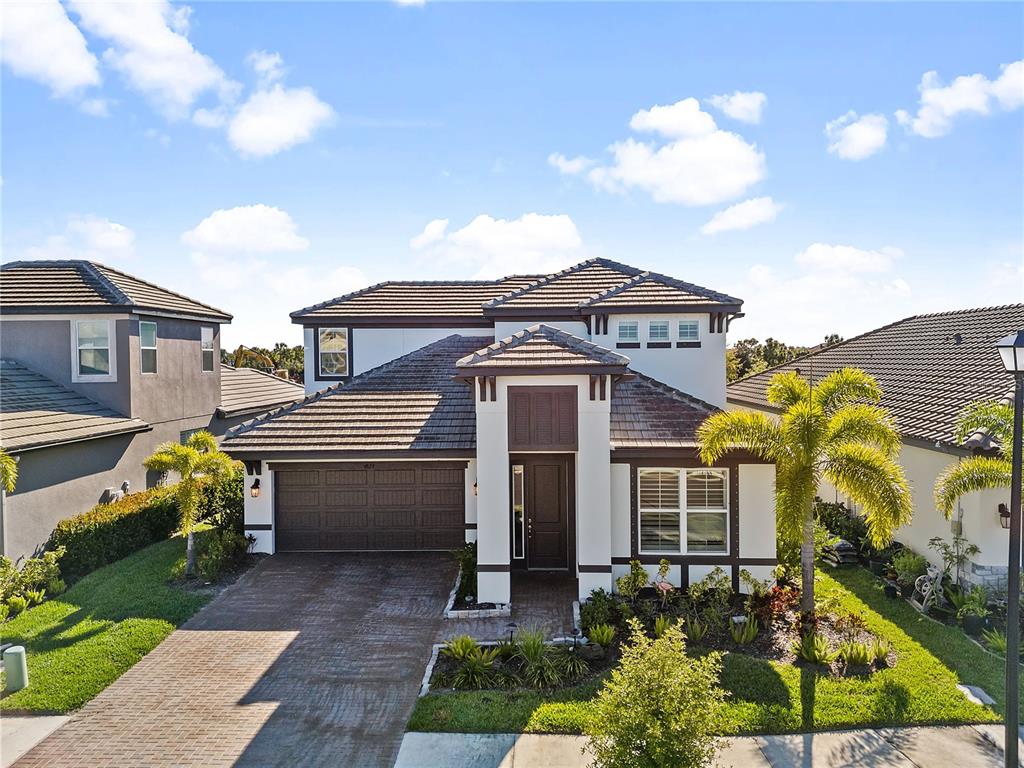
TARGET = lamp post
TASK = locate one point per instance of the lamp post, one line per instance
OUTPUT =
(1011, 349)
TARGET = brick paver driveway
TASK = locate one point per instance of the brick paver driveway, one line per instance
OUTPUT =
(309, 660)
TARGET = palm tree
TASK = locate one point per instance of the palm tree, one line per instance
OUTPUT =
(199, 461)
(8, 471)
(978, 473)
(834, 431)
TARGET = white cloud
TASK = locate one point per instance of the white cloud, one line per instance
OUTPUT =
(39, 41)
(410, 2)
(853, 137)
(246, 228)
(268, 66)
(149, 47)
(96, 107)
(87, 236)
(699, 165)
(495, 247)
(569, 166)
(684, 118)
(275, 120)
(846, 258)
(749, 213)
(974, 94)
(745, 106)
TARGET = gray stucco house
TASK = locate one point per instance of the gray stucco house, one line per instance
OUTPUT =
(97, 368)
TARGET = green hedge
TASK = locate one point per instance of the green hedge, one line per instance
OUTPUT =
(108, 532)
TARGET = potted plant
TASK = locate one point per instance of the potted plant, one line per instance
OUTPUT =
(974, 610)
(908, 567)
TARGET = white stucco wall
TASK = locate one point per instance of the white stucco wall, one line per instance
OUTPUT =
(470, 500)
(621, 512)
(260, 511)
(505, 328)
(699, 372)
(593, 488)
(492, 501)
(757, 516)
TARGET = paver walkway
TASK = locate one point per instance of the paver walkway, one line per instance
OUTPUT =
(933, 747)
(308, 660)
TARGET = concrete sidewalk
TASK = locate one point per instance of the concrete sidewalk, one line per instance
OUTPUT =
(19, 733)
(964, 746)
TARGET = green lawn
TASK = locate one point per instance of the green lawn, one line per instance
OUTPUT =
(768, 697)
(83, 640)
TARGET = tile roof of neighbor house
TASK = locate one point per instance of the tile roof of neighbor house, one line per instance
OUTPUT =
(414, 403)
(36, 412)
(248, 391)
(449, 298)
(543, 347)
(45, 287)
(928, 366)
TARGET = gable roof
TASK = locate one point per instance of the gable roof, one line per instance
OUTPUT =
(650, 289)
(422, 299)
(36, 412)
(410, 404)
(542, 348)
(649, 414)
(928, 366)
(45, 287)
(248, 391)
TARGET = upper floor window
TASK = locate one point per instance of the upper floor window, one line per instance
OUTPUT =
(93, 350)
(673, 500)
(657, 330)
(629, 330)
(332, 352)
(147, 346)
(689, 330)
(206, 344)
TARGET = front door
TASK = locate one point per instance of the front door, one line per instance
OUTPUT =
(541, 512)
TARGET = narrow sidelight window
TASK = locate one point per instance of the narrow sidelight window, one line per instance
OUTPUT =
(628, 330)
(659, 510)
(689, 330)
(707, 510)
(206, 343)
(93, 341)
(332, 346)
(518, 513)
(657, 330)
(147, 345)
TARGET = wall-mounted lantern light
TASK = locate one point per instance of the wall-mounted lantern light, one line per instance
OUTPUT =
(254, 489)
(475, 492)
(1004, 515)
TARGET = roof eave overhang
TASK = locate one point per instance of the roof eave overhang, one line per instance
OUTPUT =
(55, 443)
(131, 309)
(392, 321)
(653, 309)
(535, 311)
(271, 454)
(467, 374)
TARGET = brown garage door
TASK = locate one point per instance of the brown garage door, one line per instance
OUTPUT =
(381, 506)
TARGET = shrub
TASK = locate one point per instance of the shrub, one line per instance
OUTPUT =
(814, 648)
(539, 667)
(601, 634)
(460, 647)
(223, 504)
(476, 670)
(223, 552)
(996, 641)
(909, 566)
(880, 648)
(466, 557)
(841, 522)
(37, 577)
(35, 596)
(572, 665)
(744, 632)
(661, 623)
(855, 654)
(712, 598)
(778, 602)
(16, 604)
(598, 609)
(695, 629)
(4, 611)
(631, 584)
(660, 707)
(975, 603)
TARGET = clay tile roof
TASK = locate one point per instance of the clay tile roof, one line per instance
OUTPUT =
(542, 347)
(650, 290)
(928, 366)
(409, 404)
(649, 414)
(36, 412)
(443, 299)
(34, 287)
(248, 391)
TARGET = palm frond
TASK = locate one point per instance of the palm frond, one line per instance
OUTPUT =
(977, 473)
(795, 488)
(8, 471)
(786, 389)
(202, 441)
(844, 386)
(874, 480)
(215, 466)
(803, 429)
(728, 430)
(171, 457)
(860, 423)
(993, 416)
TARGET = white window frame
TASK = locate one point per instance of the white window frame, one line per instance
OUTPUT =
(83, 378)
(684, 510)
(142, 347)
(634, 324)
(203, 330)
(667, 325)
(320, 353)
(688, 320)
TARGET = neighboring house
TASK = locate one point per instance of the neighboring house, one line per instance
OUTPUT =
(929, 368)
(99, 368)
(550, 419)
(246, 393)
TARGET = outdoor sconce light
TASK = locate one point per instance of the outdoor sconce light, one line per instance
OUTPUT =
(254, 489)
(475, 488)
(1004, 515)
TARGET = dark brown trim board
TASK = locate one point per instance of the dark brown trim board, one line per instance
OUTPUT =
(595, 568)
(258, 527)
(492, 568)
(627, 345)
(393, 321)
(659, 344)
(687, 345)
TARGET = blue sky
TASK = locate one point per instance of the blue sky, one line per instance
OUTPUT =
(267, 156)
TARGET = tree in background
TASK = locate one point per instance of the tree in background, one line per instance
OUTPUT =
(280, 357)
(749, 356)
(8, 471)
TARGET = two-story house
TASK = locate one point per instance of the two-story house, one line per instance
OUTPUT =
(98, 368)
(551, 419)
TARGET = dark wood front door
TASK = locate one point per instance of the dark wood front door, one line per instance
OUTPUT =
(545, 490)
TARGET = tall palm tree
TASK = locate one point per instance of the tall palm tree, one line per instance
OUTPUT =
(8, 471)
(978, 473)
(198, 462)
(834, 431)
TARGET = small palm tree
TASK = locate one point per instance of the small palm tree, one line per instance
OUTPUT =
(199, 461)
(977, 473)
(834, 431)
(8, 471)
